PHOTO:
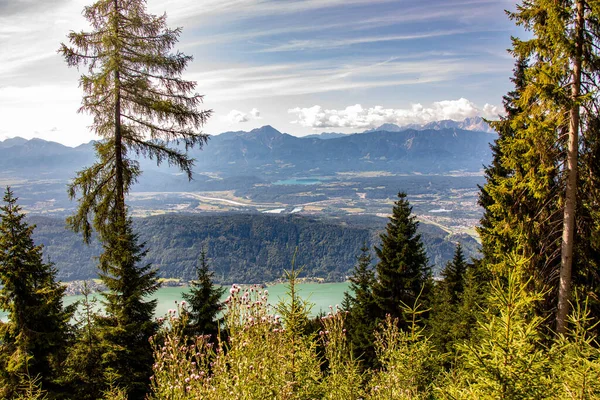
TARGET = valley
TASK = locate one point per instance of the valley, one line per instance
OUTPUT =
(257, 196)
(449, 202)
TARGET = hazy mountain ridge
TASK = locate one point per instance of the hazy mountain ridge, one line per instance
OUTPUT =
(325, 135)
(477, 124)
(265, 152)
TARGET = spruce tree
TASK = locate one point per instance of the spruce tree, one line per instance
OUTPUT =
(129, 320)
(508, 361)
(473, 301)
(503, 206)
(203, 302)
(546, 166)
(454, 275)
(84, 370)
(445, 321)
(403, 272)
(521, 211)
(361, 307)
(34, 338)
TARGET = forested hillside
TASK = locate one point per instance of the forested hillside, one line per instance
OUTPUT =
(249, 248)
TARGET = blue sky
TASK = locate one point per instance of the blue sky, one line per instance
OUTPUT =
(302, 66)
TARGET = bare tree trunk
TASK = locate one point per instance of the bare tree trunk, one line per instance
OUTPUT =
(568, 238)
(120, 183)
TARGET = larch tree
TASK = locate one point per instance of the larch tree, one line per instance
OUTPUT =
(403, 273)
(34, 338)
(140, 106)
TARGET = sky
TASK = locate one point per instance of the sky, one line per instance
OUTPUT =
(302, 66)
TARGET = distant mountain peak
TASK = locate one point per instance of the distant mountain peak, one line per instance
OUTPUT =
(468, 124)
(267, 129)
(14, 141)
(389, 128)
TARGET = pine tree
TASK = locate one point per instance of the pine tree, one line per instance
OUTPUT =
(402, 271)
(34, 338)
(362, 310)
(203, 302)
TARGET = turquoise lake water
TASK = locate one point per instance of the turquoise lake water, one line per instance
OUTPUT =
(322, 295)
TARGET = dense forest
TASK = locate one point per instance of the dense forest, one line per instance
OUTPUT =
(519, 322)
(251, 248)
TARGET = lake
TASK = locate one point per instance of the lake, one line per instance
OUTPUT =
(321, 294)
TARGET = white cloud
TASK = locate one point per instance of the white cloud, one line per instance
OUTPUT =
(255, 113)
(236, 117)
(358, 117)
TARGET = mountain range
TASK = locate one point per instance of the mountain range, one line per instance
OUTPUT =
(268, 154)
(468, 124)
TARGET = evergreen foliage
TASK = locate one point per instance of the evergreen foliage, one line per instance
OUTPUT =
(402, 270)
(410, 363)
(33, 340)
(577, 355)
(361, 307)
(507, 361)
(541, 220)
(84, 371)
(203, 302)
(503, 206)
(129, 320)
(521, 211)
(250, 248)
(454, 275)
(550, 183)
(446, 324)
(300, 368)
(140, 104)
(473, 302)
